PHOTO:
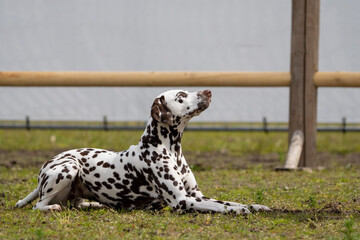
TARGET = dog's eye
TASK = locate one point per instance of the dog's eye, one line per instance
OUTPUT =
(180, 96)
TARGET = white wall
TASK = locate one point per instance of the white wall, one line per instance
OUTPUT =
(161, 35)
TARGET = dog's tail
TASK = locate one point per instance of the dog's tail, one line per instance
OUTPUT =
(32, 196)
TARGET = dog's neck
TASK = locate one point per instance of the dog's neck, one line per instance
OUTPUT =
(161, 135)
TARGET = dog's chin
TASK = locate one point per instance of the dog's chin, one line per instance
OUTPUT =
(202, 106)
(201, 109)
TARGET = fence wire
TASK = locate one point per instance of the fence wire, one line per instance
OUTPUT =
(265, 126)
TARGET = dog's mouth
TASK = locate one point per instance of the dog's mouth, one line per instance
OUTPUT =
(203, 105)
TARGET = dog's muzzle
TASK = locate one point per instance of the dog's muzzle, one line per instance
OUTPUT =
(205, 100)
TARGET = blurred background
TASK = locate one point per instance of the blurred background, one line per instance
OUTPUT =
(161, 35)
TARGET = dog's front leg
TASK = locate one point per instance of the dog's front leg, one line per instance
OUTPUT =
(172, 190)
(193, 190)
(186, 203)
(191, 186)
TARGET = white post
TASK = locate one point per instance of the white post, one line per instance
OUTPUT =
(295, 149)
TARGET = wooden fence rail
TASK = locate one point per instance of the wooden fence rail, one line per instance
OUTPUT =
(337, 79)
(138, 79)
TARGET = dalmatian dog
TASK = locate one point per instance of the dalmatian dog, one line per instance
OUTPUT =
(150, 175)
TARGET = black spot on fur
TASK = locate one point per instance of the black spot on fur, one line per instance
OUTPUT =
(181, 205)
(108, 197)
(84, 153)
(183, 170)
(108, 186)
(116, 175)
(152, 137)
(155, 156)
(164, 132)
(60, 163)
(47, 163)
(130, 167)
(59, 178)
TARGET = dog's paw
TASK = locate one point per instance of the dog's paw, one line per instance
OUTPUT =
(257, 208)
(19, 204)
(54, 207)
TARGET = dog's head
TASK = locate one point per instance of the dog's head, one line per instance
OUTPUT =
(177, 106)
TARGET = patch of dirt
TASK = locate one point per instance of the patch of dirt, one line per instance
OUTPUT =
(198, 161)
(333, 208)
(218, 160)
(23, 159)
(332, 160)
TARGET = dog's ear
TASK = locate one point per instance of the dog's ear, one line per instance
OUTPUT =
(160, 112)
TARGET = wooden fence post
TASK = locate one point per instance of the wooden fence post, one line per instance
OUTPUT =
(304, 64)
(311, 67)
(297, 66)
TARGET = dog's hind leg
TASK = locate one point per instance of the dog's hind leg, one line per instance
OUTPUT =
(56, 185)
(79, 193)
(28, 199)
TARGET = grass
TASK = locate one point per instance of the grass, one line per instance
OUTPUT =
(236, 143)
(306, 205)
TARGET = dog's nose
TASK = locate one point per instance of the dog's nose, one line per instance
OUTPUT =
(207, 93)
